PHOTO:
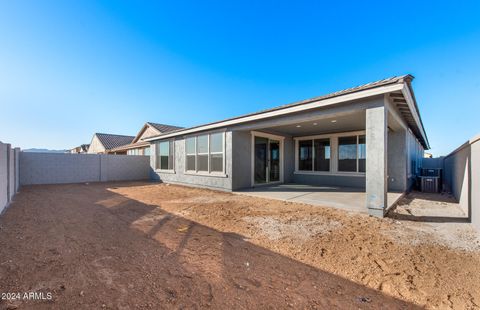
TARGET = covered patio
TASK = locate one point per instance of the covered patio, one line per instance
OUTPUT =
(345, 198)
(361, 156)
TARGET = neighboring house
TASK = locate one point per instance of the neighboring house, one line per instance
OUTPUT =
(140, 147)
(102, 143)
(370, 137)
(82, 149)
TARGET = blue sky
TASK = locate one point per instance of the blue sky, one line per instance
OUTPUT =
(72, 68)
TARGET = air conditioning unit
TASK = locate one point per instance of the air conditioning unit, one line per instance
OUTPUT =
(431, 172)
(429, 184)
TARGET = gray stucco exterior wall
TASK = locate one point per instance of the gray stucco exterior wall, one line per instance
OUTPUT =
(415, 159)
(330, 180)
(241, 157)
(180, 176)
(397, 160)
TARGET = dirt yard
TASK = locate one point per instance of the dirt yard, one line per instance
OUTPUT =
(150, 245)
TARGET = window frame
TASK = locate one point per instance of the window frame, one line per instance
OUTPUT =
(171, 155)
(357, 151)
(334, 148)
(190, 154)
(312, 141)
(209, 171)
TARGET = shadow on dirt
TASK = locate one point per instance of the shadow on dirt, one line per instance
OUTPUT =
(116, 252)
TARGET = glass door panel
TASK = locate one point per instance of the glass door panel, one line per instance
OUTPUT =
(260, 160)
(266, 160)
(274, 156)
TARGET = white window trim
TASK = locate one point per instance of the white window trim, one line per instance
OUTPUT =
(190, 154)
(333, 154)
(197, 153)
(297, 160)
(172, 141)
(208, 153)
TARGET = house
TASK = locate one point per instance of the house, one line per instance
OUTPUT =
(369, 137)
(140, 147)
(81, 149)
(102, 143)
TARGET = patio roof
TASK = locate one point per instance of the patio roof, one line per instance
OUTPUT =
(399, 85)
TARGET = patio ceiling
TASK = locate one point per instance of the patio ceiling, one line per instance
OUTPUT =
(350, 122)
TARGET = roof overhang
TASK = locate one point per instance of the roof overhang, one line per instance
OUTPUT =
(130, 146)
(413, 107)
(313, 104)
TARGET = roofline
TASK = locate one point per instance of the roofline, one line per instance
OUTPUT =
(302, 106)
(110, 134)
(412, 104)
(130, 146)
(144, 127)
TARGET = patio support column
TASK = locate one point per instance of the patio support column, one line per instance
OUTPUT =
(376, 161)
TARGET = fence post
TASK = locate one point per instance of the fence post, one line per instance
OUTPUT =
(8, 173)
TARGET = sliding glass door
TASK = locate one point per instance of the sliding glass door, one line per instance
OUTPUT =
(274, 161)
(266, 160)
(261, 160)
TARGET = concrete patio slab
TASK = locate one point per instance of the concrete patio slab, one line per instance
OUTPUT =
(345, 198)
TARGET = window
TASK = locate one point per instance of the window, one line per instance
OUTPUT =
(146, 151)
(205, 153)
(190, 153)
(351, 154)
(314, 155)
(202, 153)
(164, 155)
(305, 155)
(331, 153)
(347, 153)
(133, 152)
(321, 149)
(362, 154)
(216, 152)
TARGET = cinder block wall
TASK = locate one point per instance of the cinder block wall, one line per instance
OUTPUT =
(11, 173)
(124, 167)
(9, 169)
(462, 177)
(54, 168)
(3, 176)
(17, 169)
